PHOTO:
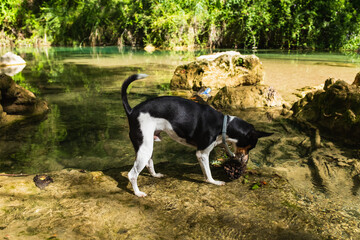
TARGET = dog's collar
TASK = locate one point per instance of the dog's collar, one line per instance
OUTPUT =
(223, 133)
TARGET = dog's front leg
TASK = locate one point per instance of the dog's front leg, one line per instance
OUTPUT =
(203, 158)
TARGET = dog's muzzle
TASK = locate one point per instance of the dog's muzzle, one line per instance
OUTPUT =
(242, 154)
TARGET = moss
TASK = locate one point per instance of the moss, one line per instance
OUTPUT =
(291, 205)
(239, 62)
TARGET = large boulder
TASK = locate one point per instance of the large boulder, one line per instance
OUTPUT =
(243, 97)
(17, 103)
(226, 69)
(334, 110)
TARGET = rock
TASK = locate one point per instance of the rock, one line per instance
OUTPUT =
(305, 90)
(335, 110)
(12, 70)
(11, 64)
(17, 103)
(226, 69)
(234, 79)
(357, 80)
(243, 97)
(149, 48)
(10, 59)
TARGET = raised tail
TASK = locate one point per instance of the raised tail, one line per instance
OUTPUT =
(124, 87)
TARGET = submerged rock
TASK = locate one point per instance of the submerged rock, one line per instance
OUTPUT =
(226, 69)
(17, 103)
(335, 110)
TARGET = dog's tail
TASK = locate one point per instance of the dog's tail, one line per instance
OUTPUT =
(124, 87)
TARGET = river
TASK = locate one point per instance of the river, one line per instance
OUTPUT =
(87, 127)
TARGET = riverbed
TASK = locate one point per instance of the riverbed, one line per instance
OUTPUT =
(87, 127)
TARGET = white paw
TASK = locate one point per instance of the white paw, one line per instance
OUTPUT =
(140, 194)
(219, 183)
(158, 175)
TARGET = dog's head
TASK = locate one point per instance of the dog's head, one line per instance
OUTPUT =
(245, 137)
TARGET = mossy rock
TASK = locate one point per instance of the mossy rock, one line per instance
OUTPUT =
(226, 69)
(243, 97)
(18, 104)
(334, 110)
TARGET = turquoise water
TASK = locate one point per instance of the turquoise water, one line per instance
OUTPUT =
(87, 126)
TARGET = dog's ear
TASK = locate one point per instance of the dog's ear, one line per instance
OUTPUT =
(261, 134)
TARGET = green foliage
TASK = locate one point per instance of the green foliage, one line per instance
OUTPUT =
(20, 80)
(286, 24)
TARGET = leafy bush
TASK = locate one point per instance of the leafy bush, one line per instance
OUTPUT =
(184, 23)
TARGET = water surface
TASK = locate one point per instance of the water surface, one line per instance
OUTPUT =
(87, 126)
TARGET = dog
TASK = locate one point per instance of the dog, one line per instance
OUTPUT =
(187, 122)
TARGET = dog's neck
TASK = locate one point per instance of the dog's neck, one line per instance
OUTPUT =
(223, 134)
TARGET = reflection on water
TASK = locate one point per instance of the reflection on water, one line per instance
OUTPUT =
(87, 126)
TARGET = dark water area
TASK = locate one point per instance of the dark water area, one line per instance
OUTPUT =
(87, 126)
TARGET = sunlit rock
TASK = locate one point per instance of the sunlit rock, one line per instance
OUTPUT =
(226, 69)
(11, 64)
(149, 48)
(243, 97)
(18, 103)
(9, 59)
(335, 110)
(235, 80)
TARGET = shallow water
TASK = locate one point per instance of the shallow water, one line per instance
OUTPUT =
(87, 126)
(288, 71)
(87, 129)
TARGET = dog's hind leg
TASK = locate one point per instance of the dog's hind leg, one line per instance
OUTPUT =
(203, 158)
(142, 138)
(134, 173)
(143, 155)
(150, 167)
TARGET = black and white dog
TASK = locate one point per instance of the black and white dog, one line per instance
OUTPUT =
(188, 123)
